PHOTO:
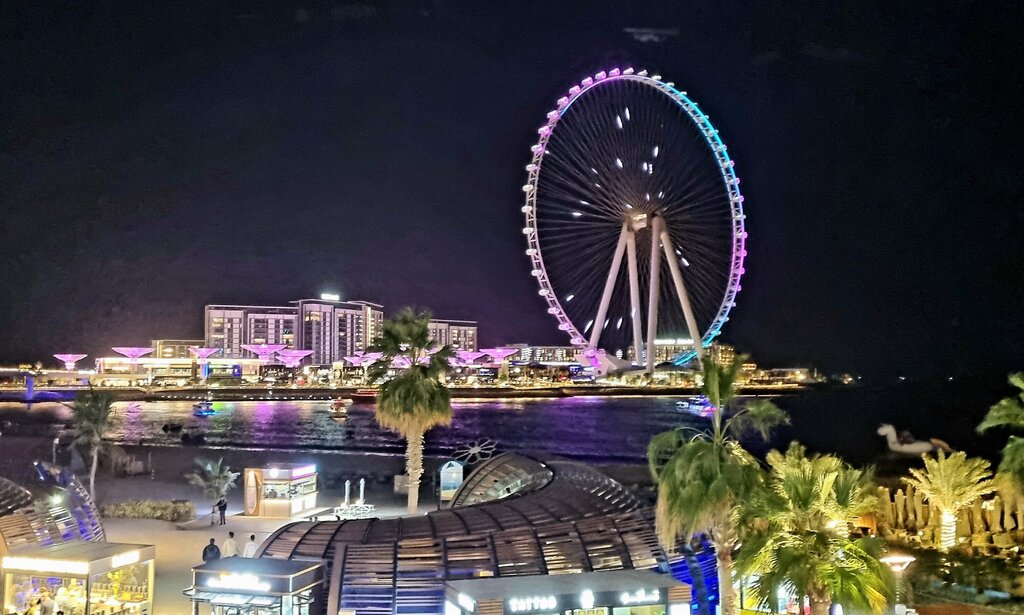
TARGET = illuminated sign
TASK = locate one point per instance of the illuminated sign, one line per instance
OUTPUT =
(640, 596)
(124, 559)
(586, 599)
(532, 603)
(466, 602)
(330, 297)
(246, 582)
(55, 566)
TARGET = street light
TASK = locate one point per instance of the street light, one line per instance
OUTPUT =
(898, 563)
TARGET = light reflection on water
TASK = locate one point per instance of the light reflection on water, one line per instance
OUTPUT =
(584, 427)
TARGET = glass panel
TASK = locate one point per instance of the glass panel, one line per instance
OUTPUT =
(125, 589)
(22, 591)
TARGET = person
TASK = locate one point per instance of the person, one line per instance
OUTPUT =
(46, 604)
(229, 548)
(250, 547)
(222, 506)
(211, 552)
(906, 437)
(61, 599)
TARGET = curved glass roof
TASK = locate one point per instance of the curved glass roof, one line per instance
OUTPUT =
(515, 516)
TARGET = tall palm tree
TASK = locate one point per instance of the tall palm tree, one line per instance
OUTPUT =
(214, 478)
(951, 483)
(702, 475)
(1009, 412)
(415, 400)
(90, 419)
(797, 534)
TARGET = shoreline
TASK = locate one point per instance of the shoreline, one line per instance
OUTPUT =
(267, 393)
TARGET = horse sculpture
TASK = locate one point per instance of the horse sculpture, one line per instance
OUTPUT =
(915, 447)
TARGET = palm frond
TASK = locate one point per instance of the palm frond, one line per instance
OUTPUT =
(1007, 412)
(760, 416)
(952, 482)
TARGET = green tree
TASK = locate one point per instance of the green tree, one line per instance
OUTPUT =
(797, 534)
(214, 478)
(951, 483)
(90, 420)
(1009, 412)
(702, 475)
(414, 400)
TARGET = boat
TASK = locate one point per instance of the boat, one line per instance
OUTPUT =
(203, 408)
(364, 396)
(339, 407)
(698, 405)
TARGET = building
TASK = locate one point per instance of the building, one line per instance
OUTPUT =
(459, 334)
(229, 326)
(336, 329)
(548, 355)
(173, 349)
(122, 371)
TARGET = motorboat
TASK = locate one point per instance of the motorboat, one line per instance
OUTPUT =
(698, 405)
(339, 407)
(203, 408)
(364, 396)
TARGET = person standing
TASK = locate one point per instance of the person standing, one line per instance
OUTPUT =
(222, 507)
(250, 547)
(211, 552)
(229, 548)
(46, 604)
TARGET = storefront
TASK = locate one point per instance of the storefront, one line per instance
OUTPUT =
(280, 490)
(625, 592)
(257, 586)
(85, 578)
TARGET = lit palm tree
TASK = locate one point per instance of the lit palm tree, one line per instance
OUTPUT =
(797, 534)
(1009, 412)
(415, 400)
(703, 476)
(90, 419)
(951, 483)
(214, 479)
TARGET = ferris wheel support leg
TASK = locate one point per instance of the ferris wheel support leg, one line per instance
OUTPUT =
(634, 298)
(684, 298)
(654, 291)
(609, 286)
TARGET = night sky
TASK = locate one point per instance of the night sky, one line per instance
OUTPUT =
(155, 157)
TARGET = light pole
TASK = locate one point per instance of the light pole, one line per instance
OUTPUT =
(898, 563)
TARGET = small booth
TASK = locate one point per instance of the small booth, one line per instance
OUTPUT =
(85, 578)
(257, 586)
(280, 490)
(622, 592)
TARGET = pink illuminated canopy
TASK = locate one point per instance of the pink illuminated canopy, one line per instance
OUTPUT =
(202, 353)
(132, 352)
(292, 358)
(500, 354)
(264, 351)
(70, 360)
(469, 356)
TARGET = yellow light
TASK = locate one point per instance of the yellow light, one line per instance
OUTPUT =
(45, 565)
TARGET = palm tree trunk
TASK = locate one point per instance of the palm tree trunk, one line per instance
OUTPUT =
(414, 469)
(947, 539)
(820, 605)
(92, 473)
(727, 595)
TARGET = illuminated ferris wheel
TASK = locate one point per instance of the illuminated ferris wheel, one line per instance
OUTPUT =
(628, 168)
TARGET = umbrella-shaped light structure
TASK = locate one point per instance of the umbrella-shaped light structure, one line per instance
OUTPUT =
(69, 360)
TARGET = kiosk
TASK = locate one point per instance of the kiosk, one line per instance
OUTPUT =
(280, 490)
(89, 578)
(257, 586)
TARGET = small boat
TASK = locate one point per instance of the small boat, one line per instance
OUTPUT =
(339, 407)
(364, 396)
(203, 408)
(698, 405)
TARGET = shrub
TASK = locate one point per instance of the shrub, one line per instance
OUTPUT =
(164, 510)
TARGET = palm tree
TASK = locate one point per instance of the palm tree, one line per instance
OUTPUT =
(214, 478)
(951, 483)
(90, 418)
(415, 400)
(703, 476)
(797, 534)
(1009, 412)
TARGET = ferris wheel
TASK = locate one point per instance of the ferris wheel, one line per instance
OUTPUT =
(627, 167)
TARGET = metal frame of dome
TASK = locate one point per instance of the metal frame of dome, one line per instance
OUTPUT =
(557, 517)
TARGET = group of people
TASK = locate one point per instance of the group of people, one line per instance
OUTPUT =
(229, 548)
(46, 604)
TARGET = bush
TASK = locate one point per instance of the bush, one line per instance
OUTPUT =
(164, 510)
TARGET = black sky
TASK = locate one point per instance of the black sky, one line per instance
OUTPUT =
(158, 156)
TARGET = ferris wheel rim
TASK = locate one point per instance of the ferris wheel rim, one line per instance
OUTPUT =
(726, 167)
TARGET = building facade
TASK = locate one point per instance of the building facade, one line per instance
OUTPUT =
(459, 334)
(173, 349)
